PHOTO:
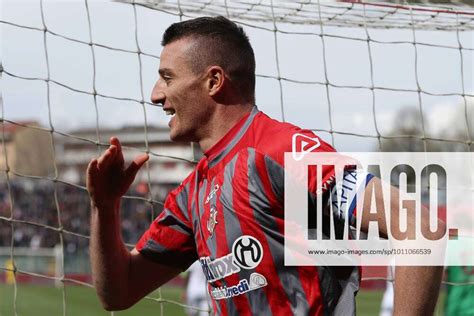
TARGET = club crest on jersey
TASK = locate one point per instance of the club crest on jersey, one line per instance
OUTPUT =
(212, 221)
(302, 144)
(212, 193)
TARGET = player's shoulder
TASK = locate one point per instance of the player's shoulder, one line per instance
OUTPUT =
(184, 187)
(273, 138)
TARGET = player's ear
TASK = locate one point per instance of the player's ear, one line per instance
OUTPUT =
(215, 80)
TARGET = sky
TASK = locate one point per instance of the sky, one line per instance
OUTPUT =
(300, 58)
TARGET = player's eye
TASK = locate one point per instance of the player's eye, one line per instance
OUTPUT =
(166, 78)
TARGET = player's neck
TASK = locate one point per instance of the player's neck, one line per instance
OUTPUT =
(223, 119)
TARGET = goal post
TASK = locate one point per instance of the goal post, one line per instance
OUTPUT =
(365, 76)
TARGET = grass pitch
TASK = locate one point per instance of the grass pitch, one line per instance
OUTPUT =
(43, 300)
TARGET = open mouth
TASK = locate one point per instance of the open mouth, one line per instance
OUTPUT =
(170, 112)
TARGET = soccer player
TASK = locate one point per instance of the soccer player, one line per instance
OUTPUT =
(228, 213)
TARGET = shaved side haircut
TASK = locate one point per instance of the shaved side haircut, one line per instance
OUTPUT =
(220, 42)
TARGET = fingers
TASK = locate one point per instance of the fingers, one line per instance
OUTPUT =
(115, 141)
(92, 168)
(107, 158)
(113, 155)
(91, 174)
(112, 160)
(141, 159)
(119, 155)
(136, 164)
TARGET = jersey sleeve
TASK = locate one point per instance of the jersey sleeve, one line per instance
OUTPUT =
(170, 239)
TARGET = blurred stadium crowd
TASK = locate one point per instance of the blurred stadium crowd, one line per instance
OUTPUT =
(38, 208)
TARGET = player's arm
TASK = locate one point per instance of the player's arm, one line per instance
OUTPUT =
(416, 288)
(121, 278)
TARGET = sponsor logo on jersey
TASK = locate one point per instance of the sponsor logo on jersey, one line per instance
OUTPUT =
(247, 253)
(302, 144)
(255, 281)
(212, 193)
(212, 221)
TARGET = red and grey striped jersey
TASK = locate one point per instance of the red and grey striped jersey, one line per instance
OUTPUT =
(229, 215)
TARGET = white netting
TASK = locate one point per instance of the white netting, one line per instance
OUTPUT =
(74, 73)
(344, 13)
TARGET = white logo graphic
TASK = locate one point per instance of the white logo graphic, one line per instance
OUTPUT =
(431, 224)
(212, 221)
(303, 144)
(212, 193)
(248, 252)
(255, 281)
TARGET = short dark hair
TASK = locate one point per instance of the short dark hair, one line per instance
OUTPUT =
(219, 42)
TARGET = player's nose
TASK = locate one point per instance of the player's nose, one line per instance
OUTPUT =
(157, 94)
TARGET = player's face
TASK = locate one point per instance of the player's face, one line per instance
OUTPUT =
(182, 93)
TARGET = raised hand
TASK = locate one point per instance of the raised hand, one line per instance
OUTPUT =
(108, 179)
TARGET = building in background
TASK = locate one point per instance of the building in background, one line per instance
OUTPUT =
(30, 194)
(169, 163)
(26, 149)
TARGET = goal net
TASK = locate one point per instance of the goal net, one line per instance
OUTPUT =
(42, 261)
(365, 76)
